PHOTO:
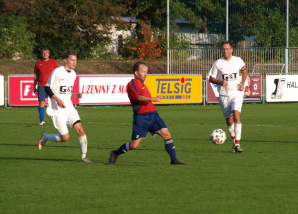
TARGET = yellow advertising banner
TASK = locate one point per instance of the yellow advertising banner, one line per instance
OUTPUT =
(176, 88)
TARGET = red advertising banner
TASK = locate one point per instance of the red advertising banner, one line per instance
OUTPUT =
(252, 92)
(21, 91)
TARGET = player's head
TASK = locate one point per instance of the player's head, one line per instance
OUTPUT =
(70, 59)
(45, 52)
(140, 70)
(227, 49)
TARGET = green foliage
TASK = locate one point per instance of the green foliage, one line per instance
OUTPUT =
(270, 26)
(177, 40)
(148, 43)
(265, 19)
(270, 29)
(100, 52)
(81, 25)
(15, 38)
(154, 12)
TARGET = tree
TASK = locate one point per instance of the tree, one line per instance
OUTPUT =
(81, 25)
(147, 46)
(154, 12)
(15, 39)
(267, 20)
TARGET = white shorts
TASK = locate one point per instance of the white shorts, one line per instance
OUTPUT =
(230, 103)
(61, 121)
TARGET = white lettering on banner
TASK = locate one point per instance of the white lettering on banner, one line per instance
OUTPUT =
(103, 89)
(27, 90)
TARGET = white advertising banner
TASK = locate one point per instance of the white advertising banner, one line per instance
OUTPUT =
(1, 90)
(104, 90)
(281, 88)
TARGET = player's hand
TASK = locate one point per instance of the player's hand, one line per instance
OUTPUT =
(79, 95)
(60, 103)
(34, 91)
(156, 99)
(224, 83)
(241, 87)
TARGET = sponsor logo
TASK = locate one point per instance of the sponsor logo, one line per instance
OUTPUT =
(104, 89)
(174, 88)
(27, 90)
(65, 89)
(228, 77)
(277, 94)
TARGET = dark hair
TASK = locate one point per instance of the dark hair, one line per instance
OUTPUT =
(45, 49)
(136, 66)
(70, 53)
(226, 42)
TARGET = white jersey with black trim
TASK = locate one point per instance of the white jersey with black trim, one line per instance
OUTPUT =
(229, 71)
(61, 83)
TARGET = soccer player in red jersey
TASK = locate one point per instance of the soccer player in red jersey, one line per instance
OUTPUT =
(145, 117)
(42, 71)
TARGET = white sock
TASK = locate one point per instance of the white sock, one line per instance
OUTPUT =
(238, 128)
(231, 132)
(83, 144)
(52, 137)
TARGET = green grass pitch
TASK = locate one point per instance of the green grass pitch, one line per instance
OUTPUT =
(263, 179)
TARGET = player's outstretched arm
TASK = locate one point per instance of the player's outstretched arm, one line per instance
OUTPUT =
(153, 99)
(77, 95)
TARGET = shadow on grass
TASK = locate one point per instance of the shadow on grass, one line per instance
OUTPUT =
(78, 160)
(266, 141)
(38, 159)
(122, 164)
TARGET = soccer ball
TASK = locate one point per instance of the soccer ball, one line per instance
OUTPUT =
(218, 136)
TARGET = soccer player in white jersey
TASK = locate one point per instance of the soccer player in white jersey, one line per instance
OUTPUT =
(225, 73)
(60, 108)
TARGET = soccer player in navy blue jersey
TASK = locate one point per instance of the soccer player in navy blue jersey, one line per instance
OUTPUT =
(145, 117)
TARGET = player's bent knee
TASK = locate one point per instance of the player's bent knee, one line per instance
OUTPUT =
(134, 144)
(166, 135)
(133, 147)
(64, 138)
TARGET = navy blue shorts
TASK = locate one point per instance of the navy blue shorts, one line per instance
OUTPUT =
(146, 122)
(42, 94)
